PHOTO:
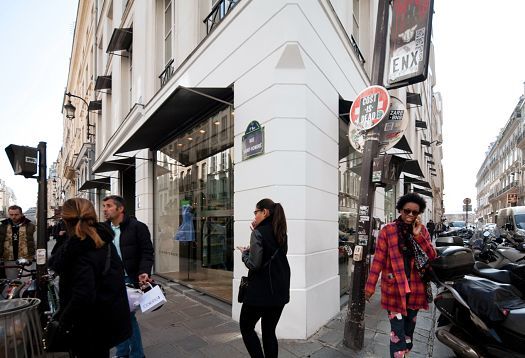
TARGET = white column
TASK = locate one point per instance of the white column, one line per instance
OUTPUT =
(298, 108)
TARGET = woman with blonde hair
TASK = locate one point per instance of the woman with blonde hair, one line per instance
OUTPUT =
(93, 301)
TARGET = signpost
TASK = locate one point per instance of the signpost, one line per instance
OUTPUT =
(467, 207)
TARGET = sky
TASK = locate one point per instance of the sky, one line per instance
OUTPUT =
(480, 70)
(36, 37)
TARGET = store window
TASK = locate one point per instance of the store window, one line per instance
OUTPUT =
(194, 207)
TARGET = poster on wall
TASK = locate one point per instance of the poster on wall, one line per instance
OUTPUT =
(410, 34)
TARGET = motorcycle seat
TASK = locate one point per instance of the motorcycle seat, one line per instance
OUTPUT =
(515, 321)
(483, 270)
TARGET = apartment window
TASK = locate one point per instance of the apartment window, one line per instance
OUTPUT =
(355, 18)
(168, 30)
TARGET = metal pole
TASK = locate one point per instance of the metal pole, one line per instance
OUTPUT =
(41, 241)
(354, 325)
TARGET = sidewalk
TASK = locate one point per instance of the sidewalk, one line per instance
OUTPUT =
(191, 324)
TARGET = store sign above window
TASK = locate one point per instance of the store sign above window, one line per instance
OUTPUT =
(252, 140)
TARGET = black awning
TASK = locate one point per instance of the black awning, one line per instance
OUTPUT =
(113, 165)
(95, 105)
(421, 124)
(403, 145)
(103, 82)
(99, 183)
(416, 181)
(414, 98)
(120, 39)
(423, 192)
(428, 155)
(412, 167)
(180, 110)
(425, 142)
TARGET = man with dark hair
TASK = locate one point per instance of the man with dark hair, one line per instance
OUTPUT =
(16, 239)
(133, 243)
(431, 227)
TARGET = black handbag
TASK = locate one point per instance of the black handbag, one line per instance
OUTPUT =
(56, 337)
(243, 286)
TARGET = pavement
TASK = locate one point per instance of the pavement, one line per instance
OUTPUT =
(192, 324)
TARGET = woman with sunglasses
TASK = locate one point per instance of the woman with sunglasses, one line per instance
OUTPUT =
(268, 278)
(403, 291)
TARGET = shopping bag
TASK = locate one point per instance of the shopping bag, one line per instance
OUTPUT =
(134, 295)
(152, 299)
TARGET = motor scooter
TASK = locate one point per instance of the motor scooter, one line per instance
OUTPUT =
(478, 317)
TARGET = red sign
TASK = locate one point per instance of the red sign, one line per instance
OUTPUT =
(370, 107)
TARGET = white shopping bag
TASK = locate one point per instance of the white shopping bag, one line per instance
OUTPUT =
(152, 299)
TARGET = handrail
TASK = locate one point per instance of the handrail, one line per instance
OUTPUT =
(218, 12)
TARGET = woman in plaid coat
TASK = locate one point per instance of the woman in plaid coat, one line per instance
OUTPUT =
(399, 252)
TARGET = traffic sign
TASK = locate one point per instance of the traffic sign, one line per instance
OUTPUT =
(466, 201)
(370, 107)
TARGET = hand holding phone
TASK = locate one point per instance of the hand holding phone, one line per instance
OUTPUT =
(417, 227)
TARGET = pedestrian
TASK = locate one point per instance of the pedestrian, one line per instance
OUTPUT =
(268, 278)
(431, 227)
(16, 239)
(133, 242)
(93, 300)
(402, 247)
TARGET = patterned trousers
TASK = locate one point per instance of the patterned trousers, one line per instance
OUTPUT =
(401, 332)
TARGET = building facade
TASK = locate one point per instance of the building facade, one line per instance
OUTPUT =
(499, 181)
(176, 90)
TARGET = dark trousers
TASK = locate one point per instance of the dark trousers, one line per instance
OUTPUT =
(93, 352)
(402, 332)
(269, 317)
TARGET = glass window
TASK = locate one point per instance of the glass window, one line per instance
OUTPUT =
(168, 26)
(198, 208)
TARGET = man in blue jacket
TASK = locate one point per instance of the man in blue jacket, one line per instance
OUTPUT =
(133, 243)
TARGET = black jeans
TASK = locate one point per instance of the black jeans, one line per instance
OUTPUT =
(402, 332)
(269, 317)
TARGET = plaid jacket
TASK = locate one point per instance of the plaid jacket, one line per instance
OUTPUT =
(388, 261)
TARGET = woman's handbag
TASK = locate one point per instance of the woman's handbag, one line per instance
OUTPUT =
(243, 286)
(56, 337)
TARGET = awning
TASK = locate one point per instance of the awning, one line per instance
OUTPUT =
(403, 145)
(423, 192)
(120, 40)
(95, 105)
(416, 181)
(414, 98)
(103, 82)
(184, 107)
(99, 183)
(412, 167)
(113, 165)
(421, 124)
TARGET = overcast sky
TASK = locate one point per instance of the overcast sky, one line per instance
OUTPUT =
(480, 69)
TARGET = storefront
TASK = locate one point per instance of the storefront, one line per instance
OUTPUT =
(194, 206)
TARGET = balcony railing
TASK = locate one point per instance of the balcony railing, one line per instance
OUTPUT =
(356, 50)
(218, 12)
(167, 74)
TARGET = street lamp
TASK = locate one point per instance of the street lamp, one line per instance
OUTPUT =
(70, 112)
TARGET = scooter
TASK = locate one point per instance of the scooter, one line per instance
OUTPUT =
(478, 317)
(498, 254)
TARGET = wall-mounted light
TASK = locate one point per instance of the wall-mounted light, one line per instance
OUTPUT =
(70, 112)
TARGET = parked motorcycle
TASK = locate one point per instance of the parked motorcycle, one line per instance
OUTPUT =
(478, 317)
(497, 254)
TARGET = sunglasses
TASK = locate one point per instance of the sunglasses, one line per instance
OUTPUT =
(256, 211)
(413, 212)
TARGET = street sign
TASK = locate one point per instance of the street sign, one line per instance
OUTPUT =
(467, 207)
(370, 107)
(391, 130)
(466, 201)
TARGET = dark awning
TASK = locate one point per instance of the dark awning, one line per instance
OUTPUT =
(416, 181)
(113, 165)
(414, 98)
(103, 82)
(423, 192)
(403, 145)
(421, 124)
(183, 107)
(412, 167)
(95, 105)
(99, 183)
(120, 40)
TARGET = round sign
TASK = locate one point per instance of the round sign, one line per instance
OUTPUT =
(466, 201)
(392, 128)
(370, 107)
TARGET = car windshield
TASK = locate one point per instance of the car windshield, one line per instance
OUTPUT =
(457, 224)
(520, 221)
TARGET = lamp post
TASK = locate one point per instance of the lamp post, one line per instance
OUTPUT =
(70, 112)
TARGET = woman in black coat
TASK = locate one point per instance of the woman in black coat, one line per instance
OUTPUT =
(268, 278)
(93, 300)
